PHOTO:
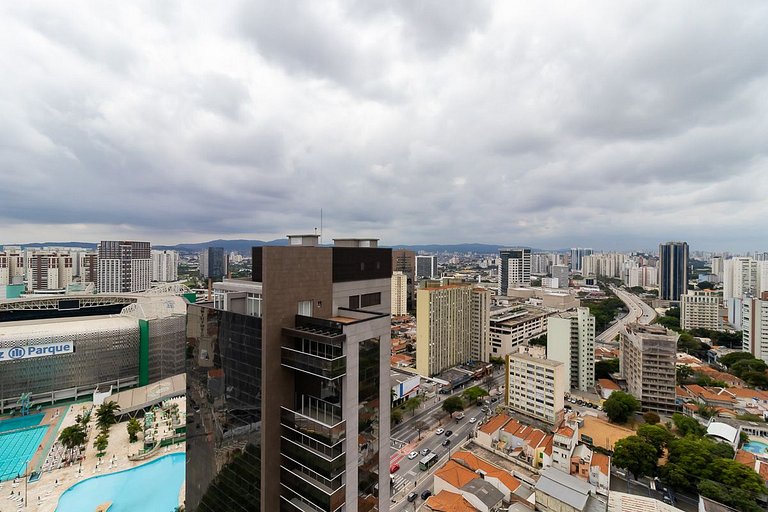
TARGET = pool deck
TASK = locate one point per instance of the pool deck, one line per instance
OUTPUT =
(43, 495)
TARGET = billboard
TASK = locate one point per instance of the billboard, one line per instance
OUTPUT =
(30, 351)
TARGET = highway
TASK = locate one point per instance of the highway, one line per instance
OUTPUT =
(639, 311)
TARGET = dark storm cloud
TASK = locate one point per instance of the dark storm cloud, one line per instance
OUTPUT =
(612, 125)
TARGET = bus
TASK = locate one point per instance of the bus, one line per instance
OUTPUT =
(428, 461)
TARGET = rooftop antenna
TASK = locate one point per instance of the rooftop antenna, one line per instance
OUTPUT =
(321, 226)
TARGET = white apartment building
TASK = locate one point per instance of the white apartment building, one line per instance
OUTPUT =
(644, 276)
(480, 324)
(124, 266)
(536, 387)
(648, 358)
(741, 278)
(445, 314)
(754, 326)
(717, 266)
(700, 309)
(608, 264)
(12, 268)
(514, 325)
(165, 266)
(399, 294)
(541, 263)
(560, 272)
(4, 270)
(49, 270)
(571, 340)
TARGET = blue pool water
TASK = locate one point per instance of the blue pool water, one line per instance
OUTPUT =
(151, 487)
(16, 448)
(21, 422)
(755, 447)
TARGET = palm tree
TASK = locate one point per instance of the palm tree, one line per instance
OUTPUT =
(106, 414)
(72, 436)
(133, 427)
(412, 404)
(101, 444)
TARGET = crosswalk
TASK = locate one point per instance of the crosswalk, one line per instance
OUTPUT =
(403, 480)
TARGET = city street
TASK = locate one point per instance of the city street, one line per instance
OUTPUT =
(639, 312)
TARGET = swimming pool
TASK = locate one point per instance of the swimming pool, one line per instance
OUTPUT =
(21, 422)
(756, 447)
(16, 448)
(151, 487)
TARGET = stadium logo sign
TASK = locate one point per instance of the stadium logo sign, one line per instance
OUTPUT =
(30, 351)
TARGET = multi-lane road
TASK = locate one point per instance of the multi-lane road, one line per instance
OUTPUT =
(639, 312)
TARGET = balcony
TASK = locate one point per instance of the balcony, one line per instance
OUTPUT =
(308, 457)
(323, 494)
(315, 418)
(315, 364)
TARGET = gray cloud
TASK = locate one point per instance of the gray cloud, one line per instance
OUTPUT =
(612, 125)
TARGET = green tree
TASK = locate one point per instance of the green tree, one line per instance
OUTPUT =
(540, 341)
(473, 393)
(604, 368)
(729, 360)
(706, 285)
(656, 435)
(420, 427)
(453, 404)
(684, 372)
(736, 475)
(636, 455)
(620, 406)
(497, 362)
(106, 414)
(412, 404)
(686, 425)
(101, 442)
(651, 418)
(72, 436)
(396, 416)
(133, 427)
(736, 498)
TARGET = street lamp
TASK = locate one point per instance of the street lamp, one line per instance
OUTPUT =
(26, 479)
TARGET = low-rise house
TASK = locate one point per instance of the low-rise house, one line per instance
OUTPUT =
(446, 501)
(488, 433)
(529, 444)
(623, 502)
(564, 443)
(606, 387)
(458, 479)
(499, 478)
(559, 492)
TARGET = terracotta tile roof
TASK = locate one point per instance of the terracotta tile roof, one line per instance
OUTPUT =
(746, 393)
(680, 391)
(446, 501)
(691, 407)
(548, 444)
(535, 438)
(565, 431)
(608, 384)
(746, 458)
(495, 424)
(513, 427)
(602, 461)
(763, 470)
(455, 474)
(475, 463)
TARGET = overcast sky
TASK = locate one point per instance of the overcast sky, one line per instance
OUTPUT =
(549, 124)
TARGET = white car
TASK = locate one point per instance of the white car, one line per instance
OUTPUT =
(439, 431)
(472, 420)
(413, 455)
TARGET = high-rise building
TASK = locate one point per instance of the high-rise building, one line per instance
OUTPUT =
(514, 268)
(124, 266)
(717, 266)
(426, 267)
(700, 309)
(536, 387)
(404, 261)
(541, 264)
(480, 324)
(290, 371)
(673, 270)
(165, 266)
(399, 294)
(512, 326)
(89, 267)
(560, 272)
(444, 320)
(5, 272)
(741, 278)
(213, 263)
(577, 253)
(49, 270)
(754, 326)
(648, 357)
(571, 340)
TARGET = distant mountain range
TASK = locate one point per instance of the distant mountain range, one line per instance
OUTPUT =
(244, 246)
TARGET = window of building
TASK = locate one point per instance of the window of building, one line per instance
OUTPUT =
(305, 307)
(354, 302)
(253, 304)
(370, 299)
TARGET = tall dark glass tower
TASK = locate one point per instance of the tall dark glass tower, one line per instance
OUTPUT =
(673, 270)
(288, 378)
(514, 268)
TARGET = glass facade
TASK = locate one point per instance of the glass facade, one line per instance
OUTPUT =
(368, 425)
(224, 396)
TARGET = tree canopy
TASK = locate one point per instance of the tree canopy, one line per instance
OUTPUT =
(473, 393)
(656, 435)
(651, 417)
(728, 360)
(620, 406)
(604, 368)
(453, 404)
(686, 425)
(636, 455)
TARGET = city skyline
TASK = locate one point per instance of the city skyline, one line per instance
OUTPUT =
(566, 125)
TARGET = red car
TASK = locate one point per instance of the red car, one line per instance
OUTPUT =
(394, 467)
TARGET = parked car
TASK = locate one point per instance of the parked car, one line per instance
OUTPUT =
(426, 494)
(413, 455)
(412, 496)
(394, 467)
(439, 431)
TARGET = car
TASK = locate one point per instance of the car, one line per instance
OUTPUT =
(448, 433)
(426, 451)
(411, 496)
(426, 494)
(413, 455)
(472, 420)
(447, 442)
(394, 467)
(439, 431)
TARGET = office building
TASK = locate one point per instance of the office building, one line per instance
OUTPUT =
(536, 387)
(560, 272)
(514, 268)
(404, 261)
(124, 266)
(648, 356)
(741, 278)
(571, 340)
(213, 263)
(700, 309)
(673, 270)
(480, 324)
(577, 253)
(754, 326)
(426, 267)
(294, 365)
(49, 271)
(399, 294)
(165, 266)
(512, 326)
(444, 324)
